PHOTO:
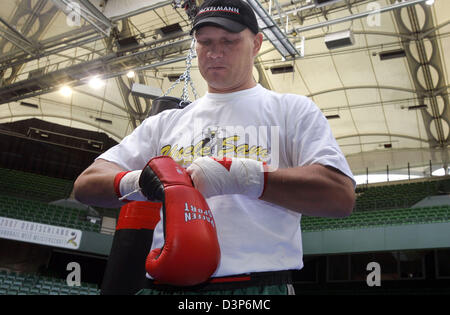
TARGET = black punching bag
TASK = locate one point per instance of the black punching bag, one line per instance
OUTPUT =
(166, 102)
(125, 270)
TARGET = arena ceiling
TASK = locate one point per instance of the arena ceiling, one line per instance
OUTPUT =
(386, 96)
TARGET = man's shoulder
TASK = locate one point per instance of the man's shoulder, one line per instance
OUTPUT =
(286, 96)
(289, 101)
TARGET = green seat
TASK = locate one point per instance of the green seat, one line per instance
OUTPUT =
(44, 292)
(34, 291)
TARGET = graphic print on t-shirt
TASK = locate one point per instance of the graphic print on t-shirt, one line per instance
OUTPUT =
(258, 143)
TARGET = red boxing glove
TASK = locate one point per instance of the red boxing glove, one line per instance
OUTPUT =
(191, 251)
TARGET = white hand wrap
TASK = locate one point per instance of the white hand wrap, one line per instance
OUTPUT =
(129, 187)
(227, 176)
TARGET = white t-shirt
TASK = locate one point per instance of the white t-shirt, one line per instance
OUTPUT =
(284, 130)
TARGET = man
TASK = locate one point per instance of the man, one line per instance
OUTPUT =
(257, 213)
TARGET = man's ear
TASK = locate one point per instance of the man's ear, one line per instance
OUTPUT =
(257, 42)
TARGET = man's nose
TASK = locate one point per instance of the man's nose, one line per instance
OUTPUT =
(215, 51)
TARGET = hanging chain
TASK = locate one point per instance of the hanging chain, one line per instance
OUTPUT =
(186, 76)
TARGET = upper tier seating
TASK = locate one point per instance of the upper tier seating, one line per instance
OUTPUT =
(399, 195)
(34, 186)
(364, 219)
(36, 211)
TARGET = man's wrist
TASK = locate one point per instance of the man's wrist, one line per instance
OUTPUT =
(214, 176)
(126, 186)
(252, 177)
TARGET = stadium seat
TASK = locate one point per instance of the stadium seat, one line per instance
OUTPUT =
(364, 219)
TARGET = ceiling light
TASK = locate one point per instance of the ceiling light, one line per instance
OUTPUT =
(336, 116)
(429, 2)
(322, 3)
(339, 39)
(415, 107)
(66, 91)
(127, 42)
(171, 29)
(391, 54)
(130, 74)
(282, 69)
(174, 77)
(29, 105)
(106, 121)
(96, 83)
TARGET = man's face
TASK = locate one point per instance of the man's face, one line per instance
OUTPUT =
(225, 59)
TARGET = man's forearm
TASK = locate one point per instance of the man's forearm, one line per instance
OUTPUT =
(95, 186)
(313, 190)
